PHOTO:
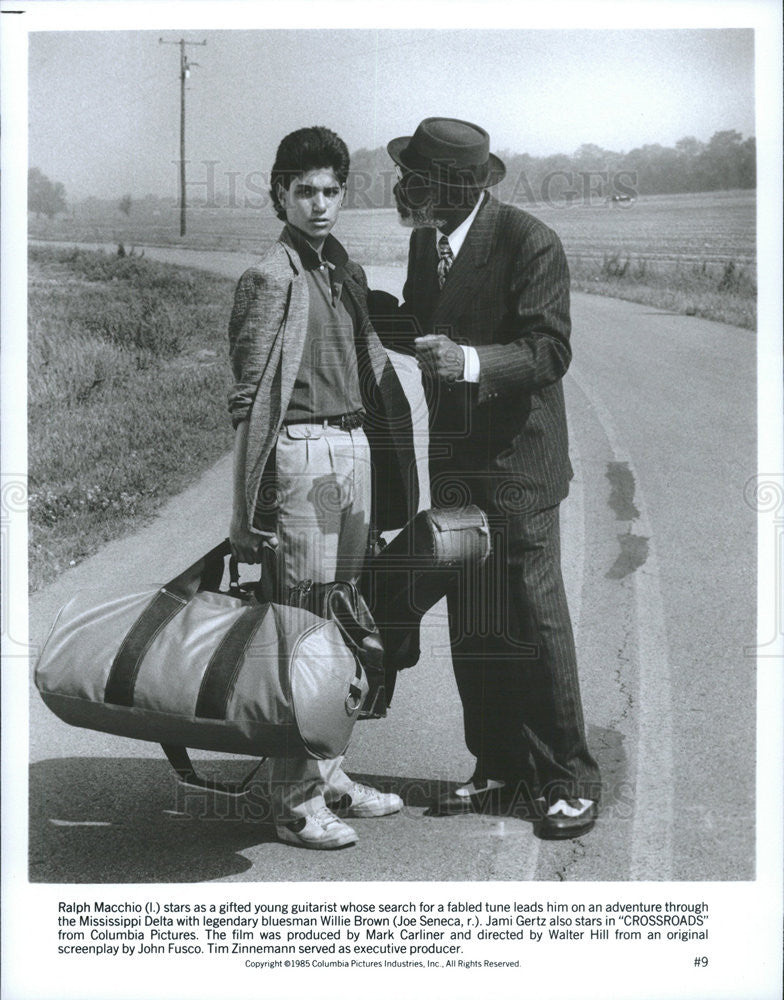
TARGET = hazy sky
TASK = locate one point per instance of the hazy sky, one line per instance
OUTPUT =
(104, 106)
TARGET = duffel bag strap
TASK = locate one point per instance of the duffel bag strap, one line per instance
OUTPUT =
(205, 574)
(180, 760)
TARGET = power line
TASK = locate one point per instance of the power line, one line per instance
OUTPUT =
(185, 68)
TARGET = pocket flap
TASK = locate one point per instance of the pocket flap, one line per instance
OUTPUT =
(298, 432)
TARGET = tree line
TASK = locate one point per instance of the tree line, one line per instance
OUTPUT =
(726, 162)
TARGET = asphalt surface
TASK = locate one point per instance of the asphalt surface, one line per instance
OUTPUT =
(659, 555)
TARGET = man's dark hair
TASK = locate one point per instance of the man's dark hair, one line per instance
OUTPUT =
(307, 149)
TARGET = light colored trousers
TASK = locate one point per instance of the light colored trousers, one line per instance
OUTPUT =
(323, 480)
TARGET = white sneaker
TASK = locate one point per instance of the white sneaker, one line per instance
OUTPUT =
(364, 802)
(319, 831)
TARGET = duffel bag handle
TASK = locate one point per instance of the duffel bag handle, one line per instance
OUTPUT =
(265, 590)
(204, 574)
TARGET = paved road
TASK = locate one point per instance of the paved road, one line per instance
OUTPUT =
(660, 563)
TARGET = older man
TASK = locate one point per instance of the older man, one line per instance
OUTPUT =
(487, 303)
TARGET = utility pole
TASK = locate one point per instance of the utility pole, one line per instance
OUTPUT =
(185, 67)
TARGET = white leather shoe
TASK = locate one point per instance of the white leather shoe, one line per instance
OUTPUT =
(319, 831)
(568, 817)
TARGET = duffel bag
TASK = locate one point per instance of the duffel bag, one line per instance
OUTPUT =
(187, 665)
(339, 601)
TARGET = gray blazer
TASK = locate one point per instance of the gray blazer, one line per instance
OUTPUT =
(267, 333)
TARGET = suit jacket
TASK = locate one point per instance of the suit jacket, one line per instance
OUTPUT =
(267, 334)
(507, 295)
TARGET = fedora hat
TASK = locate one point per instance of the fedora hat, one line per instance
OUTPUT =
(451, 151)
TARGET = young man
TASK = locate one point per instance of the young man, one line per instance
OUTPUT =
(486, 311)
(323, 439)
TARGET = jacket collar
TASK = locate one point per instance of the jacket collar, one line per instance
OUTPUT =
(479, 239)
(458, 235)
(332, 252)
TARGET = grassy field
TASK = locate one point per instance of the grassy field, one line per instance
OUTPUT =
(694, 254)
(127, 384)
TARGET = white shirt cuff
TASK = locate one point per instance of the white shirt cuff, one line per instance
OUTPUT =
(470, 363)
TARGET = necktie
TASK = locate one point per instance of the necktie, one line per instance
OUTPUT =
(445, 260)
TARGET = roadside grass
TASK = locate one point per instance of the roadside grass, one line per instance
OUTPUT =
(725, 292)
(127, 382)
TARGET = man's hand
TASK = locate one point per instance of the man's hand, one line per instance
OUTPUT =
(247, 545)
(440, 357)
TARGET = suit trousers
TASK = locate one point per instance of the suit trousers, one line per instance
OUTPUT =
(322, 518)
(515, 665)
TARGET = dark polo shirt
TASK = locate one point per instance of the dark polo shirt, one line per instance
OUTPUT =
(327, 384)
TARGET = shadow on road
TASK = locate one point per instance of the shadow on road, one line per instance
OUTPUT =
(128, 820)
(104, 820)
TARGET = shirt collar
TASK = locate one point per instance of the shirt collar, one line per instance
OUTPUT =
(457, 237)
(332, 252)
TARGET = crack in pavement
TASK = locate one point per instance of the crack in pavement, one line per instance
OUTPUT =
(624, 660)
(577, 853)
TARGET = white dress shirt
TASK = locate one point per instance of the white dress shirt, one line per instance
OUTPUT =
(456, 239)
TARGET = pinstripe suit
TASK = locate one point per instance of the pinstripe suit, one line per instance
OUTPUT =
(502, 444)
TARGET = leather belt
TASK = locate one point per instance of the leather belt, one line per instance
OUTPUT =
(345, 421)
